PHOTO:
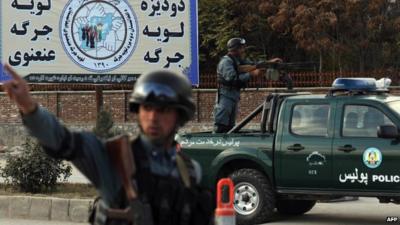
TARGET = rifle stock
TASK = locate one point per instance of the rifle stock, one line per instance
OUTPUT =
(121, 155)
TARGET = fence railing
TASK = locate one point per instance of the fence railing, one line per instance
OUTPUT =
(304, 79)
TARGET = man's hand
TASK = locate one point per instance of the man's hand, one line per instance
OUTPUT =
(275, 60)
(256, 72)
(18, 91)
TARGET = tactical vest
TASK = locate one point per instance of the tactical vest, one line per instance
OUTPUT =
(170, 201)
(235, 83)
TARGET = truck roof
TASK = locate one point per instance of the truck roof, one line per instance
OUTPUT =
(354, 88)
(376, 97)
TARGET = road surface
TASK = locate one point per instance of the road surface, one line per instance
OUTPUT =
(35, 222)
(366, 211)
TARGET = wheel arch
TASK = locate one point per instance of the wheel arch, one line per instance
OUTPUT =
(231, 160)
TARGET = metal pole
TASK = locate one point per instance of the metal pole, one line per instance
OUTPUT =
(99, 98)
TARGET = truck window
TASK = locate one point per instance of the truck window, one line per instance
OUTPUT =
(362, 121)
(310, 120)
(395, 105)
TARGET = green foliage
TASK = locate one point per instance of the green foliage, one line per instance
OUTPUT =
(215, 29)
(342, 29)
(342, 35)
(32, 170)
(104, 128)
(220, 20)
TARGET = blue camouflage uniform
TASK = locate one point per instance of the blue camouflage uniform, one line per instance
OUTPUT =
(89, 154)
(228, 96)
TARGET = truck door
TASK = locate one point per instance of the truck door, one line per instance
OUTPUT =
(361, 160)
(305, 151)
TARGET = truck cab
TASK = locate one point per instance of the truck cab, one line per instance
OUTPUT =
(308, 147)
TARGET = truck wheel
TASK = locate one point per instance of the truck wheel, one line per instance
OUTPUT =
(254, 201)
(294, 207)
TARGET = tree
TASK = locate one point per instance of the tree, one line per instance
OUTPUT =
(351, 35)
(33, 170)
(368, 29)
(104, 128)
(215, 29)
(353, 29)
(220, 20)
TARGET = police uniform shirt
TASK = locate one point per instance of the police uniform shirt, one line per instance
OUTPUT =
(228, 72)
(163, 162)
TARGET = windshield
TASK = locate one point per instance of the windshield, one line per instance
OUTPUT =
(395, 105)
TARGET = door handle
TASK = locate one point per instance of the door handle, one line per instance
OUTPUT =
(346, 148)
(295, 147)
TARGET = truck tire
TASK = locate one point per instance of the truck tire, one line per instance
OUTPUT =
(294, 207)
(254, 201)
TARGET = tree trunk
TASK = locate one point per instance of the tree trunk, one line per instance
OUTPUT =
(320, 67)
(362, 61)
(320, 61)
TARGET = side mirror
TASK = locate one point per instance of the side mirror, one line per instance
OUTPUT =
(388, 131)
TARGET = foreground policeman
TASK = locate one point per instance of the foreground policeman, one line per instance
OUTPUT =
(230, 81)
(163, 102)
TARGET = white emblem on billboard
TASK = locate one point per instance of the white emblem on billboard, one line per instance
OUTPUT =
(99, 35)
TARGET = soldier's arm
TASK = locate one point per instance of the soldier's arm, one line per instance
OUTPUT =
(248, 62)
(248, 69)
(83, 149)
(228, 71)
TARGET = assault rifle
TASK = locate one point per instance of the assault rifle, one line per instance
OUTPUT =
(121, 154)
(279, 71)
(291, 66)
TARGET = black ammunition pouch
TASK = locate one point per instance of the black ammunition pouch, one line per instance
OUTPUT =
(235, 84)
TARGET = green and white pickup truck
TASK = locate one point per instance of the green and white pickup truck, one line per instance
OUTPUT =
(308, 147)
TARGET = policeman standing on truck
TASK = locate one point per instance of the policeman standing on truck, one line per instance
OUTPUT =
(166, 180)
(230, 81)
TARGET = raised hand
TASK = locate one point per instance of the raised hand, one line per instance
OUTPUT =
(18, 91)
(116, 24)
(256, 72)
(97, 10)
(110, 43)
(81, 21)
